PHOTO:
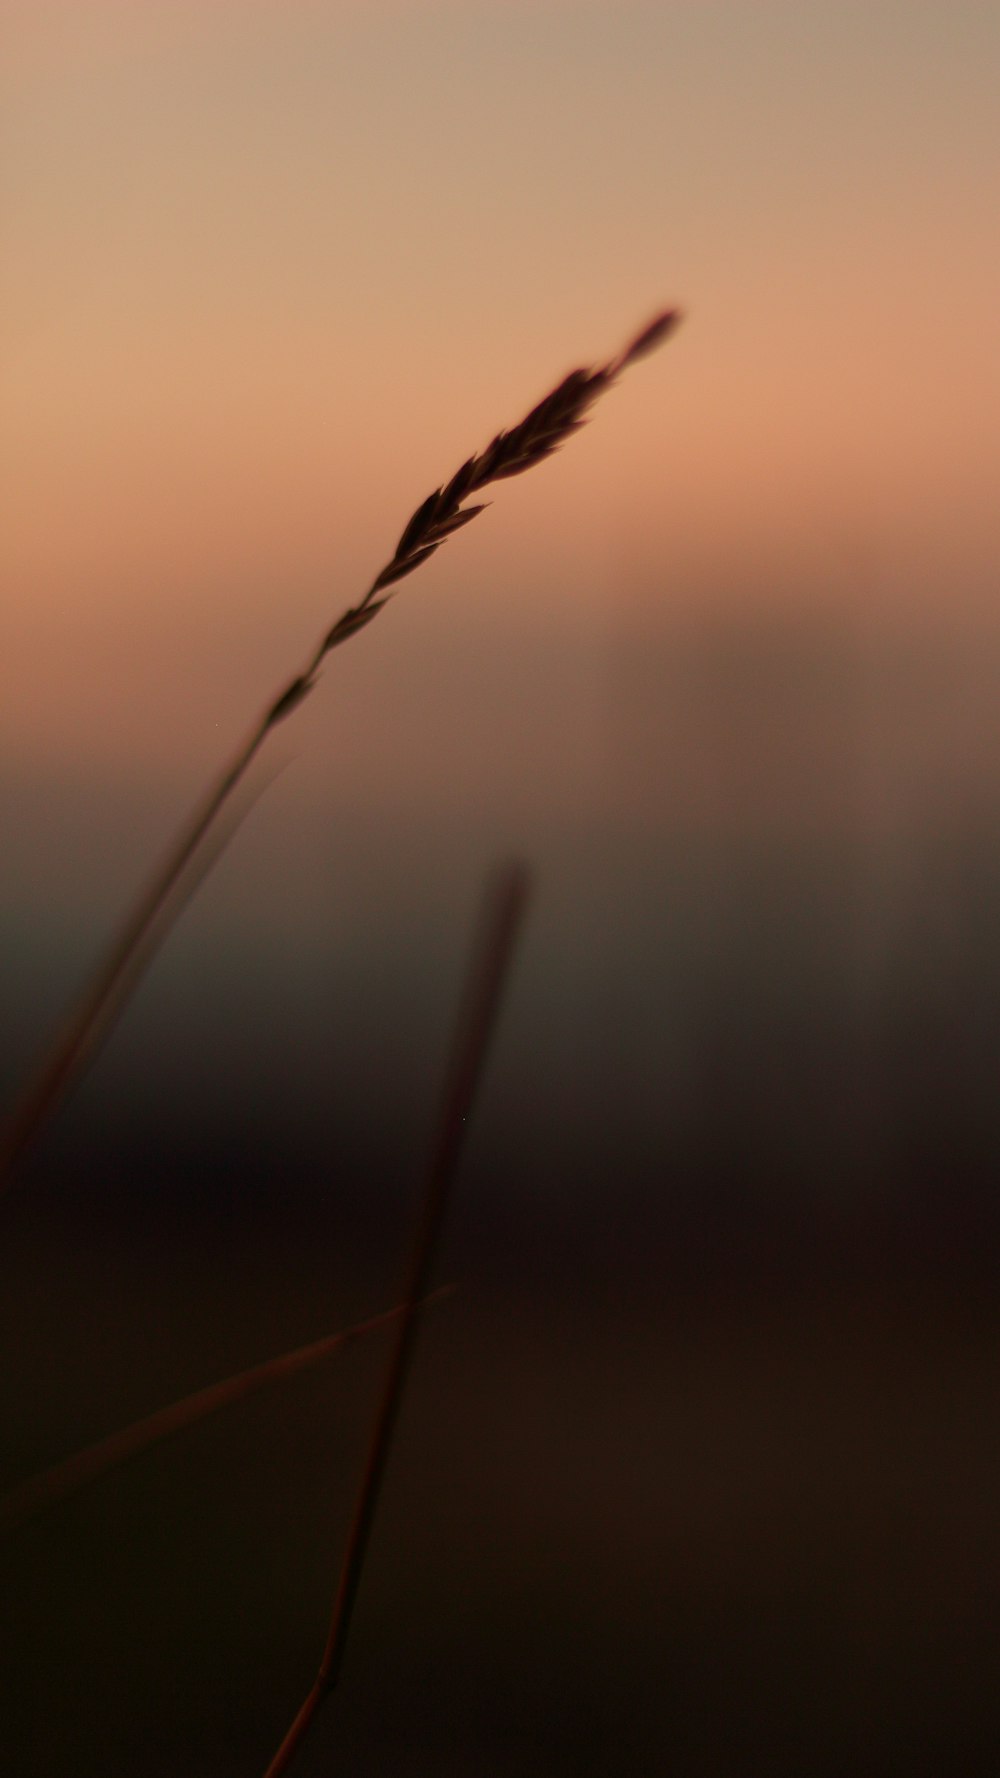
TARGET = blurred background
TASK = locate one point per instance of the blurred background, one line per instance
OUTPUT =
(698, 1469)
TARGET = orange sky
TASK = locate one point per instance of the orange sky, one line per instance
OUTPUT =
(275, 269)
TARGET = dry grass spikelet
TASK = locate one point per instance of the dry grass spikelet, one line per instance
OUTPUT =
(547, 426)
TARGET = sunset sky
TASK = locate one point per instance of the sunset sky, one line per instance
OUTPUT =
(274, 270)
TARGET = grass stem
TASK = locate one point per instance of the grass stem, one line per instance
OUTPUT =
(64, 1479)
(543, 430)
(503, 911)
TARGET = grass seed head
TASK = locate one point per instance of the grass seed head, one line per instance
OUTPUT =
(544, 429)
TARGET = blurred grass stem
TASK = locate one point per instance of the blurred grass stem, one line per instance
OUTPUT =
(502, 915)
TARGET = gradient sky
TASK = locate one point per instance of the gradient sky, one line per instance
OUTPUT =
(274, 270)
(726, 672)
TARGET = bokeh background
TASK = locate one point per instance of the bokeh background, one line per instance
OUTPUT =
(698, 1471)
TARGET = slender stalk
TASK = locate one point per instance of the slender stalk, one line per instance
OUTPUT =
(179, 878)
(503, 912)
(68, 1477)
(547, 426)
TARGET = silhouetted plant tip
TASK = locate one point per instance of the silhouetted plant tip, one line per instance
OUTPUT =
(547, 426)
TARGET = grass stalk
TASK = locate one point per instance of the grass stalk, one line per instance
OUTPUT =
(502, 915)
(542, 431)
(66, 1478)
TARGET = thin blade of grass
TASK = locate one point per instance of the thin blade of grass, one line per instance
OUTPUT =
(62, 1480)
(86, 1028)
(503, 911)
